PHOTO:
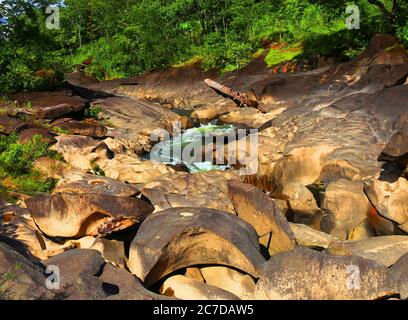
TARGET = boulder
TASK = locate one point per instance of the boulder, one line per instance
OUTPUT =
(213, 111)
(242, 285)
(75, 263)
(78, 215)
(113, 251)
(28, 134)
(21, 278)
(400, 271)
(141, 117)
(185, 288)
(390, 199)
(81, 152)
(83, 287)
(301, 203)
(385, 250)
(132, 169)
(256, 208)
(11, 125)
(88, 128)
(341, 216)
(52, 105)
(182, 237)
(122, 285)
(181, 189)
(309, 237)
(18, 224)
(326, 277)
(52, 168)
(77, 183)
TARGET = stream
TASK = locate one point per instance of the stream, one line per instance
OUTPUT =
(187, 148)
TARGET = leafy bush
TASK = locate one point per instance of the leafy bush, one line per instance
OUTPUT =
(93, 112)
(16, 160)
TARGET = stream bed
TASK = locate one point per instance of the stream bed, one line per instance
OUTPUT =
(187, 148)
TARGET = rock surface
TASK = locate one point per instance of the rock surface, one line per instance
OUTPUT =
(70, 215)
(185, 288)
(342, 217)
(205, 190)
(385, 250)
(182, 237)
(326, 277)
(256, 208)
(390, 199)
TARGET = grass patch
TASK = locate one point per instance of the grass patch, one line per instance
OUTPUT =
(17, 175)
(280, 55)
(196, 60)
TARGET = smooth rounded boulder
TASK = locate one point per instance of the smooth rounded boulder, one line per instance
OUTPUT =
(305, 274)
(182, 237)
(256, 208)
(78, 215)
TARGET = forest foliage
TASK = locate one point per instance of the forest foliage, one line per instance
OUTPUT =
(129, 37)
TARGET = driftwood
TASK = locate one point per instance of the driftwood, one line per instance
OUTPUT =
(241, 99)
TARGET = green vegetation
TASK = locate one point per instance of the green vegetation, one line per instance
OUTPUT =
(287, 53)
(5, 280)
(124, 38)
(93, 112)
(16, 171)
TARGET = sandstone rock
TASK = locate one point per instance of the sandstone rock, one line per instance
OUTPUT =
(113, 251)
(77, 183)
(46, 136)
(363, 230)
(122, 285)
(126, 141)
(242, 285)
(385, 250)
(213, 111)
(52, 168)
(256, 208)
(390, 199)
(137, 115)
(189, 289)
(345, 206)
(301, 203)
(308, 237)
(85, 128)
(132, 169)
(75, 263)
(21, 278)
(181, 237)
(397, 146)
(194, 273)
(69, 215)
(180, 189)
(83, 287)
(52, 105)
(9, 125)
(326, 277)
(381, 225)
(81, 152)
(248, 117)
(400, 271)
(18, 224)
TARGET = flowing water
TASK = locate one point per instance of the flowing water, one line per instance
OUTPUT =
(186, 148)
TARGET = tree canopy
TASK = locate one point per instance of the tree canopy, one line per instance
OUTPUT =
(128, 37)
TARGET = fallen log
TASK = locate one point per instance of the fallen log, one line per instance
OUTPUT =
(241, 99)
